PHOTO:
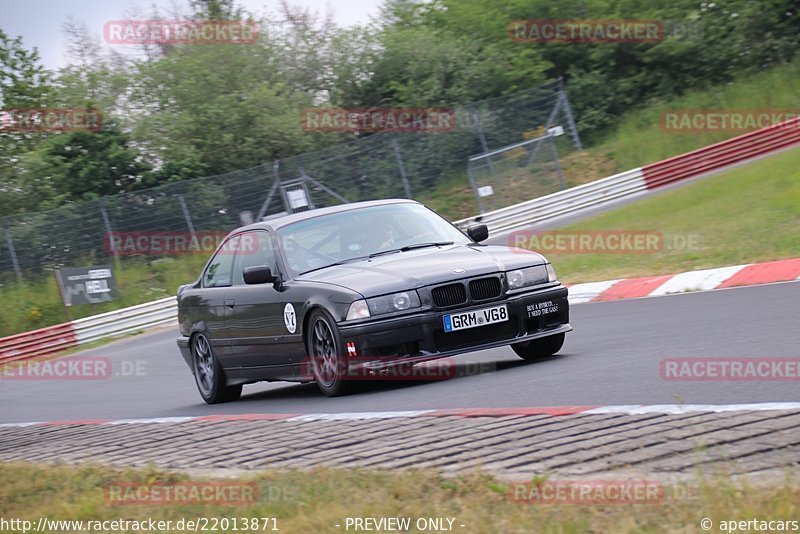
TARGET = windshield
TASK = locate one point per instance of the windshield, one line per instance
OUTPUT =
(356, 234)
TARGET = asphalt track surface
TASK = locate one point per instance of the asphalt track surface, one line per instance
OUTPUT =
(612, 357)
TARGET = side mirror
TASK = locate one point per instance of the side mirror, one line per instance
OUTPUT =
(478, 232)
(260, 274)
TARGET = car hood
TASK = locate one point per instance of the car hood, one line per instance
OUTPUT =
(418, 268)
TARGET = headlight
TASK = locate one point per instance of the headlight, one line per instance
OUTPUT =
(530, 276)
(357, 310)
(395, 302)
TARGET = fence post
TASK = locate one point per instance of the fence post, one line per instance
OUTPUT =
(564, 101)
(325, 188)
(550, 122)
(276, 169)
(554, 152)
(14, 260)
(484, 144)
(474, 186)
(109, 233)
(186, 215)
(402, 166)
(268, 200)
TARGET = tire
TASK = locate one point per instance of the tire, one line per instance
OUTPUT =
(208, 373)
(327, 355)
(538, 349)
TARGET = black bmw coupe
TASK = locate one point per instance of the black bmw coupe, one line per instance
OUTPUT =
(373, 285)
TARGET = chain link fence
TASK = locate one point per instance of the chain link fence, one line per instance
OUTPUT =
(525, 170)
(381, 165)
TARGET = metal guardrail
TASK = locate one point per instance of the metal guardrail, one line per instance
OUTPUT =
(718, 155)
(629, 183)
(55, 339)
(126, 320)
(563, 203)
(42, 342)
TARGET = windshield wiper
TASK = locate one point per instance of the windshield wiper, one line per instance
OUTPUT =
(340, 262)
(381, 253)
(411, 247)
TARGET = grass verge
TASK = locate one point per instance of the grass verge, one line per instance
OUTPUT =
(33, 305)
(319, 499)
(641, 139)
(748, 214)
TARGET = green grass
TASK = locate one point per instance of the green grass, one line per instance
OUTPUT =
(640, 138)
(37, 304)
(319, 499)
(748, 214)
(750, 220)
(452, 197)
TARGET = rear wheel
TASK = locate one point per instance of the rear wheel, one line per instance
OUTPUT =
(208, 373)
(538, 349)
(326, 352)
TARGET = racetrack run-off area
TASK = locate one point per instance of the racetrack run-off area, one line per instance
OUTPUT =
(615, 355)
(746, 442)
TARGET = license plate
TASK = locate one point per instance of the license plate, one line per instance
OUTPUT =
(475, 318)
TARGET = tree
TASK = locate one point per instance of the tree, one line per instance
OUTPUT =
(24, 84)
(83, 165)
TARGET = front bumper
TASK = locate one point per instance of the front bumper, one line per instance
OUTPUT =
(420, 337)
(183, 345)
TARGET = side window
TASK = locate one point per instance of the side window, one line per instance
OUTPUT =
(218, 273)
(255, 248)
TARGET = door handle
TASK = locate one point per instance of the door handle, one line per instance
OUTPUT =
(230, 303)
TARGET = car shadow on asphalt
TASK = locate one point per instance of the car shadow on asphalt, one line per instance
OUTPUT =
(421, 375)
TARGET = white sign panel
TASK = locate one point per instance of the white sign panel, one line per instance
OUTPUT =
(297, 198)
(485, 191)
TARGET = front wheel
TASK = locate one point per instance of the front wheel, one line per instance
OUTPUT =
(326, 352)
(208, 373)
(538, 349)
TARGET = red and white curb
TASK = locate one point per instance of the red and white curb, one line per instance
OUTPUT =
(56, 339)
(555, 411)
(704, 280)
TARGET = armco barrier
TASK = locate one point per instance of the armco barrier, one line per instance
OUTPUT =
(722, 154)
(55, 339)
(630, 183)
(549, 208)
(126, 320)
(563, 203)
(46, 341)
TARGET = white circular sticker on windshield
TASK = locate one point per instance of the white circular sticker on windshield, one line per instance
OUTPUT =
(289, 318)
